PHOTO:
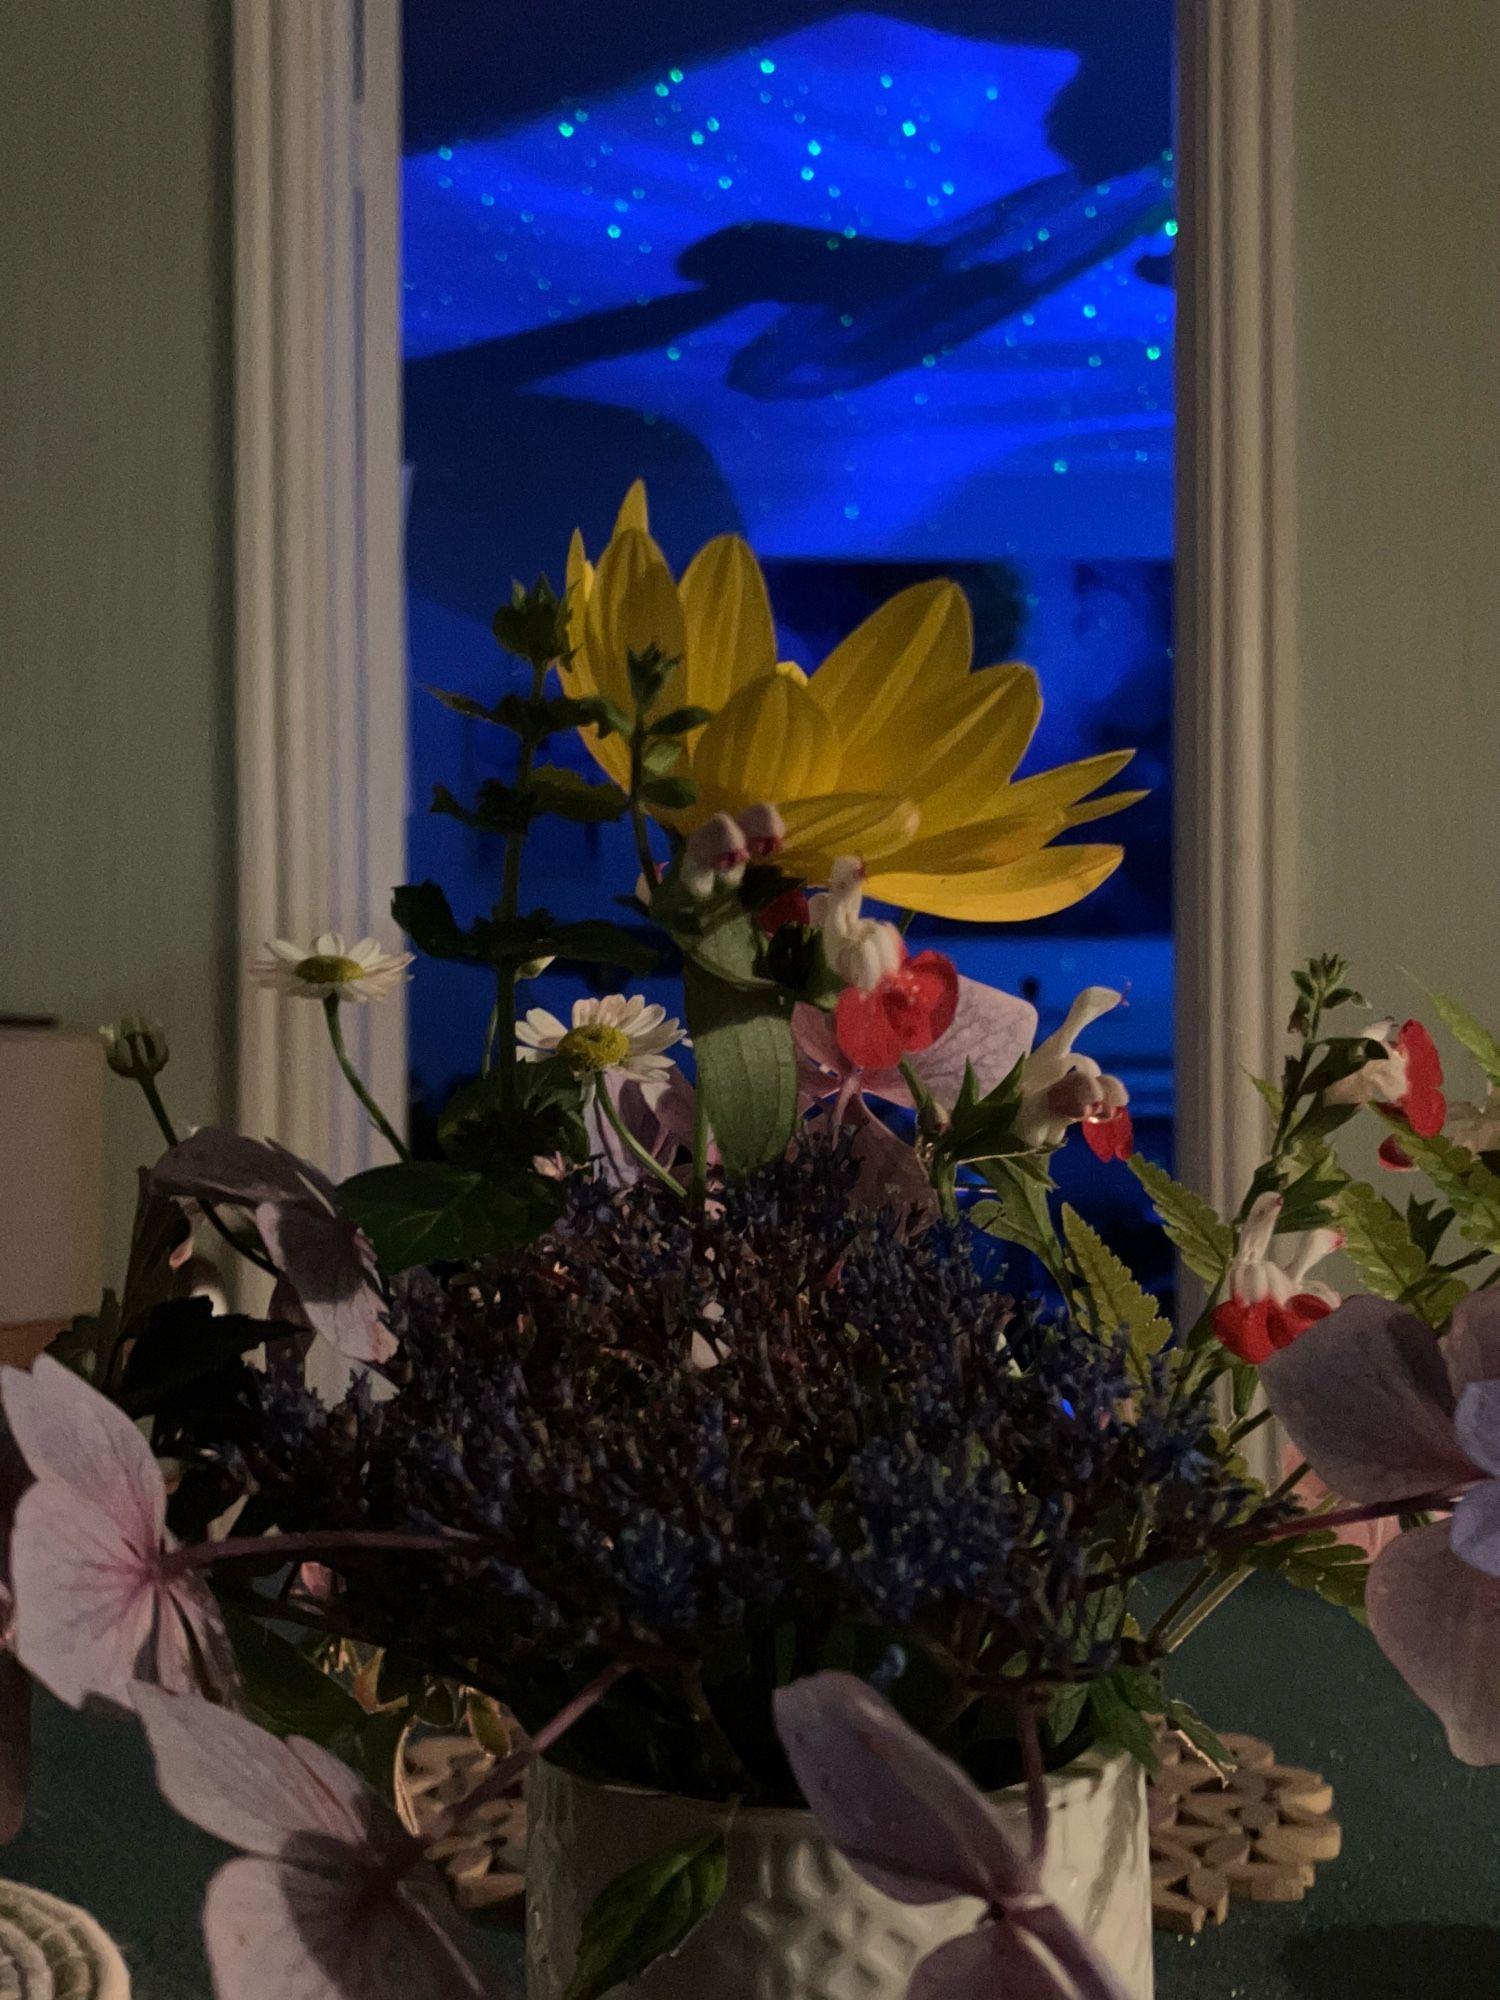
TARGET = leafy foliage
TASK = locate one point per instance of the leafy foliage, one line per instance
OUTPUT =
(1204, 1243)
(1117, 1304)
(647, 1912)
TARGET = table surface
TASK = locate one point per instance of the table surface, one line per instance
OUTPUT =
(1410, 1909)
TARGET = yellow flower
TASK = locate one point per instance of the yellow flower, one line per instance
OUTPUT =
(893, 750)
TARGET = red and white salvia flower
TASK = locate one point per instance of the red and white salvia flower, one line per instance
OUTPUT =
(715, 857)
(912, 1824)
(892, 1004)
(330, 1898)
(1406, 1081)
(1271, 1298)
(1060, 1087)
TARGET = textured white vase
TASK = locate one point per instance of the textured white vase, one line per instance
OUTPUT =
(796, 1922)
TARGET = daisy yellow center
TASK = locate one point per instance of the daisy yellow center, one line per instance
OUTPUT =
(330, 971)
(593, 1047)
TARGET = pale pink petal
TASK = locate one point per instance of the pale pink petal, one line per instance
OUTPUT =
(1477, 1422)
(1088, 1977)
(85, 1599)
(69, 1432)
(1365, 1397)
(991, 1031)
(277, 1928)
(995, 1962)
(897, 1810)
(817, 1043)
(237, 1781)
(1474, 1530)
(1472, 1347)
(329, 1264)
(1438, 1622)
(190, 1644)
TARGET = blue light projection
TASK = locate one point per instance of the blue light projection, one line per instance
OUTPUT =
(850, 265)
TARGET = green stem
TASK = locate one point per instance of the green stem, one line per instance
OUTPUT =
(699, 1188)
(639, 825)
(252, 1252)
(356, 1083)
(502, 1020)
(1250, 1424)
(633, 1145)
(1226, 1587)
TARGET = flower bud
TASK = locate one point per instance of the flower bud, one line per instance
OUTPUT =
(715, 857)
(135, 1047)
(764, 831)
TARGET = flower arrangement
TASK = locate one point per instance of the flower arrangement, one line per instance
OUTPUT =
(736, 1424)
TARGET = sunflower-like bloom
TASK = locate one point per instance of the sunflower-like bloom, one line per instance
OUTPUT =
(894, 749)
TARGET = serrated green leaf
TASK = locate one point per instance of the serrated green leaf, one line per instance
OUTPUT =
(647, 1912)
(423, 912)
(1118, 1303)
(600, 943)
(1181, 1715)
(564, 793)
(679, 721)
(1378, 1241)
(1474, 1036)
(1120, 1723)
(671, 794)
(1204, 1243)
(1471, 1189)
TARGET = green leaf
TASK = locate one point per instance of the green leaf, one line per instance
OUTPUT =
(427, 1212)
(649, 673)
(599, 943)
(1378, 1241)
(292, 1696)
(572, 797)
(1471, 1189)
(660, 758)
(533, 625)
(487, 1132)
(646, 1913)
(180, 1342)
(671, 794)
(747, 1066)
(1119, 1304)
(1181, 1715)
(1204, 1243)
(679, 721)
(1477, 1039)
(1118, 1720)
(424, 913)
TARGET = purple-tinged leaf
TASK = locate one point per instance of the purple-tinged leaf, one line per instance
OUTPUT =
(1476, 1422)
(1437, 1619)
(898, 1811)
(1474, 1530)
(1472, 1348)
(995, 1962)
(215, 1165)
(1366, 1398)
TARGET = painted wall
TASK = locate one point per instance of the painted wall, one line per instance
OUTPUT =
(1398, 168)
(116, 807)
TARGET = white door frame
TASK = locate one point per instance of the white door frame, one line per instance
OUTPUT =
(320, 711)
(322, 677)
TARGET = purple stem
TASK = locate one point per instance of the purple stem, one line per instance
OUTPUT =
(1036, 1779)
(1091, 1977)
(203, 1555)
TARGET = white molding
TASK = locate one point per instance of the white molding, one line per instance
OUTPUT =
(1237, 890)
(1237, 864)
(320, 624)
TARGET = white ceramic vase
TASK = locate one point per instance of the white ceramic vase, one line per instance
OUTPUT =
(796, 1922)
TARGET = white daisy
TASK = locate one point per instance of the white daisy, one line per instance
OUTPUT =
(605, 1035)
(327, 968)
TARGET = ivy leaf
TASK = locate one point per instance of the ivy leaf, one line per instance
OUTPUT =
(646, 1913)
(747, 1066)
(1477, 1039)
(1119, 1303)
(1118, 1719)
(431, 1212)
(1204, 1243)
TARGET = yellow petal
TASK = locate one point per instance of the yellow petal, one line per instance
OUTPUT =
(1037, 886)
(956, 755)
(902, 656)
(633, 606)
(819, 830)
(580, 582)
(1049, 790)
(633, 512)
(985, 844)
(771, 742)
(1112, 802)
(731, 637)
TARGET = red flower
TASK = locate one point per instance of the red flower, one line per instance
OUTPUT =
(790, 907)
(907, 1010)
(1422, 1101)
(1111, 1137)
(1255, 1331)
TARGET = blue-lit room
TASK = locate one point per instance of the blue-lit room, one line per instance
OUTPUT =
(749, 1034)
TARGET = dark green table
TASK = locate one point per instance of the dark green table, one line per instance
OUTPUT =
(1411, 1911)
